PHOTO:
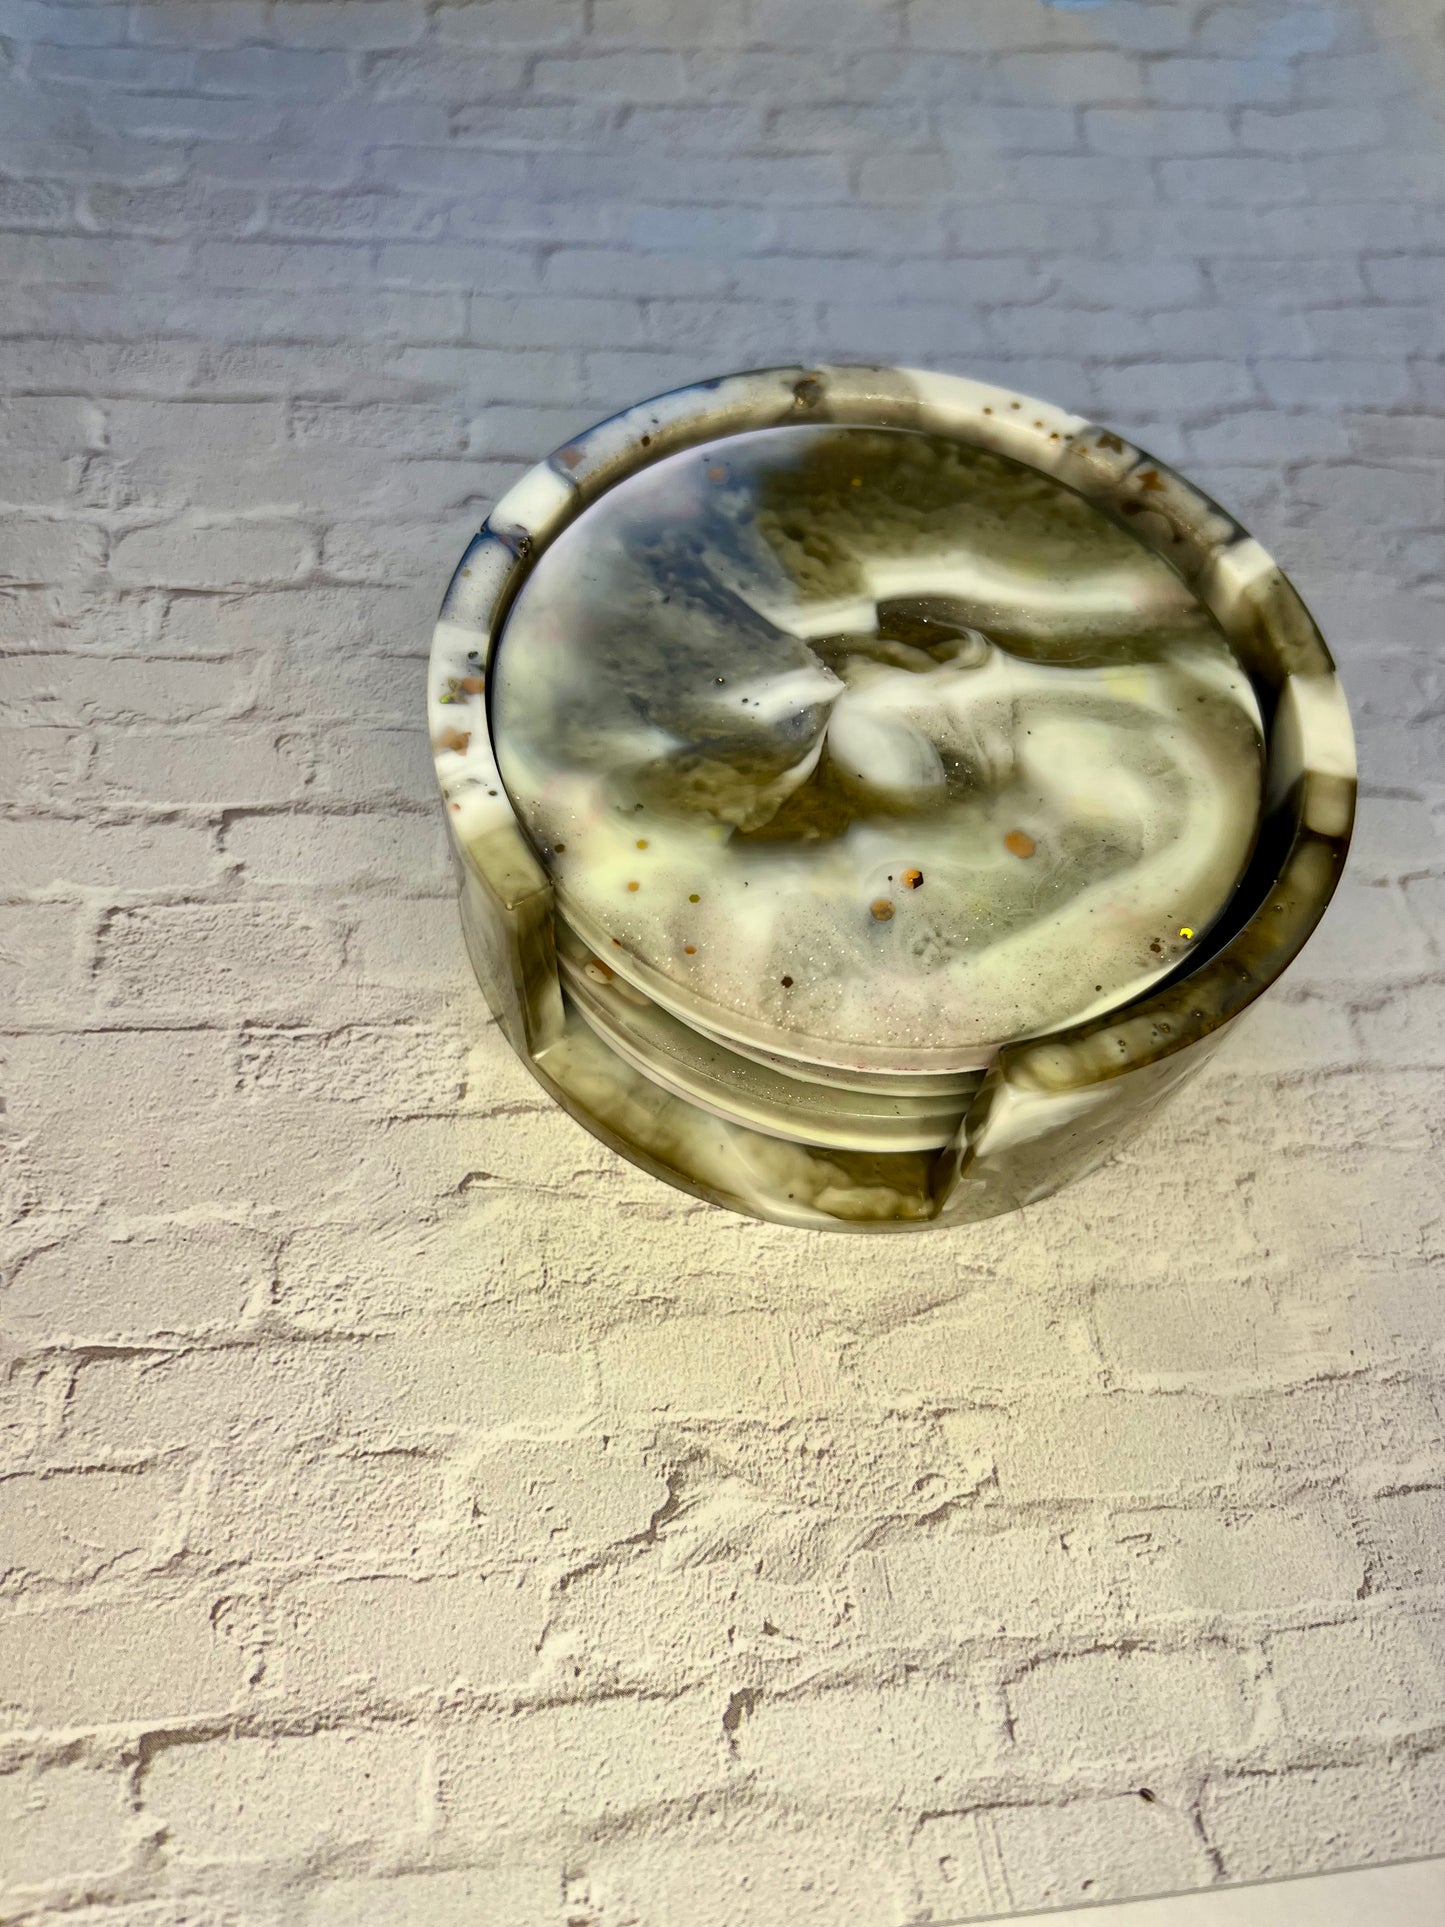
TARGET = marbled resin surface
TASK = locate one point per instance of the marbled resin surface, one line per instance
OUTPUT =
(873, 792)
(873, 748)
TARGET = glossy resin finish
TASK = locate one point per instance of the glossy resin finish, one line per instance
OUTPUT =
(871, 748)
(865, 825)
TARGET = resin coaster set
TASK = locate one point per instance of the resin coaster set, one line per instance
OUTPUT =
(873, 791)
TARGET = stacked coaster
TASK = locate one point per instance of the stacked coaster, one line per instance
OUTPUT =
(857, 728)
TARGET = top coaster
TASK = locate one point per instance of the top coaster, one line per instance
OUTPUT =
(873, 749)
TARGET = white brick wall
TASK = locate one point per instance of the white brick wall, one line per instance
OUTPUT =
(408, 1512)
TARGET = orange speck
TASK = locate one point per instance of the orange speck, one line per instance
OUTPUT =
(913, 878)
(689, 950)
(717, 475)
(1019, 843)
(456, 739)
(474, 685)
(882, 909)
(642, 843)
(857, 482)
(634, 886)
(456, 806)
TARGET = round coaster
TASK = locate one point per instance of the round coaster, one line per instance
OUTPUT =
(873, 748)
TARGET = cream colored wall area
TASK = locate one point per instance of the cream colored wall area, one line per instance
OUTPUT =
(410, 1513)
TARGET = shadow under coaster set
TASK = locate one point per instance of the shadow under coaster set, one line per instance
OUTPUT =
(873, 791)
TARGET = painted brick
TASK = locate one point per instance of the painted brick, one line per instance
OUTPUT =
(374, 765)
(700, 1365)
(312, 1510)
(1151, 1707)
(71, 690)
(40, 971)
(1202, 1334)
(931, 1588)
(1380, 1676)
(526, 1500)
(395, 1638)
(1104, 76)
(214, 555)
(116, 1664)
(270, 72)
(121, 67)
(377, 1277)
(182, 1278)
(628, 76)
(1097, 1446)
(518, 1893)
(195, 769)
(1146, 131)
(217, 23)
(767, 1867)
(72, 1525)
(60, 854)
(1278, 1560)
(1352, 1816)
(1406, 1530)
(388, 1070)
(338, 852)
(1079, 1853)
(344, 23)
(189, 959)
(266, 1798)
(602, 1635)
(966, 1348)
(498, 1775)
(386, 1394)
(901, 1747)
(59, 1824)
(1387, 1432)
(1189, 80)
(39, 551)
(405, 942)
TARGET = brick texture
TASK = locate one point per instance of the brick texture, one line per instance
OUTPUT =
(411, 1513)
